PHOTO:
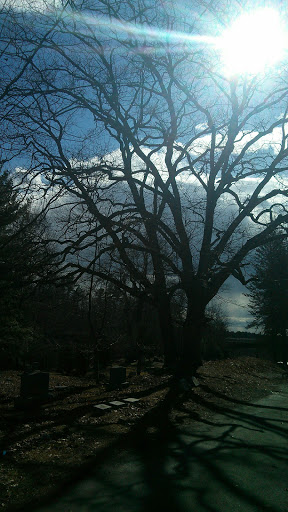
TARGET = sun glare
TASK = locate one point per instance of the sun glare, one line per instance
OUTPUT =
(255, 41)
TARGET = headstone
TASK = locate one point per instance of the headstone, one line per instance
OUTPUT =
(33, 391)
(131, 400)
(116, 403)
(117, 376)
(34, 385)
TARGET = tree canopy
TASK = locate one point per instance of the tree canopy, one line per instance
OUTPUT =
(167, 172)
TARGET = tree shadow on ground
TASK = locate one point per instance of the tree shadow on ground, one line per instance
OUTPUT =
(236, 401)
(160, 464)
(14, 418)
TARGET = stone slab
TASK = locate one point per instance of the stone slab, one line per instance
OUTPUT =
(131, 400)
(102, 407)
(116, 403)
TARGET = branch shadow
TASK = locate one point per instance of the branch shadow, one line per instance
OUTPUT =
(160, 464)
(15, 418)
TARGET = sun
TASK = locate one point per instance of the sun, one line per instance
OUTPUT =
(255, 41)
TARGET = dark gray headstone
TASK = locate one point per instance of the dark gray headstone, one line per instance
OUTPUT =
(35, 385)
(117, 375)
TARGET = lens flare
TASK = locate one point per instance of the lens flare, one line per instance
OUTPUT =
(255, 41)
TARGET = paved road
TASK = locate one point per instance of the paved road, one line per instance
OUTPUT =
(236, 462)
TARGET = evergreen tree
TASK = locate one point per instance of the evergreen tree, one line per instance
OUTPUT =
(25, 262)
(25, 258)
(268, 293)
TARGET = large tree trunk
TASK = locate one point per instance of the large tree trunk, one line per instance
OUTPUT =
(167, 332)
(193, 329)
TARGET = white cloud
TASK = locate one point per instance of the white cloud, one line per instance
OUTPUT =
(270, 141)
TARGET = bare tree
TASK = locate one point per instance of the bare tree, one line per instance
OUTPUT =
(176, 171)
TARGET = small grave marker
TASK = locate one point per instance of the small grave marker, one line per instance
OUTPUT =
(116, 403)
(102, 407)
(131, 400)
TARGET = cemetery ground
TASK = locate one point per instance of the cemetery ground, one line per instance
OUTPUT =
(43, 449)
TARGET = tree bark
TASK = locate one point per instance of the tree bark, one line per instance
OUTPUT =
(167, 332)
(193, 329)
